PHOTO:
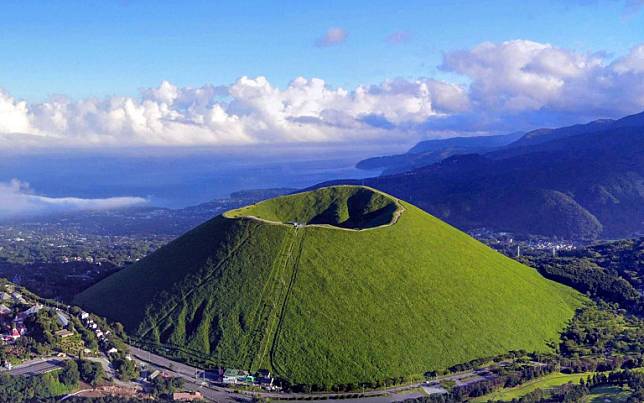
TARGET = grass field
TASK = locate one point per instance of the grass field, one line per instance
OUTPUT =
(545, 382)
(322, 305)
(52, 387)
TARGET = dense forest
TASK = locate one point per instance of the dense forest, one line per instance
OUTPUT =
(611, 271)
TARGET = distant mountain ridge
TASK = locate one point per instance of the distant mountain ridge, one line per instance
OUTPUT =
(431, 151)
(545, 139)
(584, 181)
(428, 152)
(545, 135)
(539, 136)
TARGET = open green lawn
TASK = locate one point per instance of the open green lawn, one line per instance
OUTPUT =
(545, 382)
(52, 387)
(607, 394)
(326, 305)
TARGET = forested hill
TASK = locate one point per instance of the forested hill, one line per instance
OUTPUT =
(613, 271)
(428, 152)
(431, 151)
(545, 135)
(584, 186)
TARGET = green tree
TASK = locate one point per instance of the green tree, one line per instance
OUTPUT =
(70, 374)
(166, 387)
(119, 330)
(125, 369)
(91, 372)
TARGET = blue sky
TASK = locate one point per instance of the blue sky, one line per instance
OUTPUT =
(100, 48)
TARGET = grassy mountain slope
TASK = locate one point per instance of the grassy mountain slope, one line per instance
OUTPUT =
(370, 288)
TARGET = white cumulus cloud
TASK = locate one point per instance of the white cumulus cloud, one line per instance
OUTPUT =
(18, 199)
(249, 111)
(14, 115)
(524, 77)
(513, 85)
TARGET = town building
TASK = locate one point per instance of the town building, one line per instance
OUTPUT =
(62, 319)
(4, 310)
(235, 376)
